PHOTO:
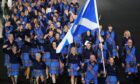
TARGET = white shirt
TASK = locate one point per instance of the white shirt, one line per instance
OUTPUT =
(3, 3)
(9, 3)
(1, 29)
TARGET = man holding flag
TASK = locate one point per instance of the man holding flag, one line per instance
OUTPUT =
(86, 20)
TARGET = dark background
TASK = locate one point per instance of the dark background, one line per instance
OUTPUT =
(122, 14)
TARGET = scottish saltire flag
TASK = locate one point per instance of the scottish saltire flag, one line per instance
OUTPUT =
(87, 19)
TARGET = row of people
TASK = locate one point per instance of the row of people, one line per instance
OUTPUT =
(55, 63)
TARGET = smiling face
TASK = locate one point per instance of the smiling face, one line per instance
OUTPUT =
(54, 45)
(14, 48)
(88, 46)
(130, 42)
(50, 33)
(111, 60)
(11, 37)
(66, 28)
(38, 56)
(100, 26)
(8, 23)
(57, 36)
(110, 28)
(92, 58)
(71, 18)
(51, 26)
(73, 50)
(58, 24)
(88, 33)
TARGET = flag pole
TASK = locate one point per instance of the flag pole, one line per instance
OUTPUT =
(95, 4)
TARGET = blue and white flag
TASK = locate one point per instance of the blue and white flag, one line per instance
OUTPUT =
(86, 20)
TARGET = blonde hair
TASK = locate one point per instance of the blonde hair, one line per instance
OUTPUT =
(28, 26)
(127, 33)
(38, 55)
(52, 26)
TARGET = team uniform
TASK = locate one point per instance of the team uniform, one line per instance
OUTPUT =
(101, 53)
(102, 57)
(74, 64)
(78, 43)
(9, 45)
(96, 34)
(46, 58)
(34, 46)
(112, 71)
(38, 68)
(55, 59)
(130, 60)
(26, 56)
(19, 36)
(86, 54)
(6, 31)
(91, 72)
(15, 61)
(86, 37)
(111, 44)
